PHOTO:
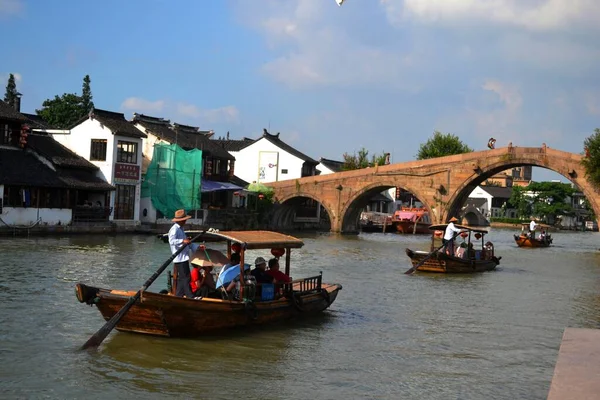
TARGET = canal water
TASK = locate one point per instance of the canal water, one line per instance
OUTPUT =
(388, 335)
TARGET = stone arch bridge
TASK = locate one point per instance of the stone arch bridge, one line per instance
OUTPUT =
(441, 184)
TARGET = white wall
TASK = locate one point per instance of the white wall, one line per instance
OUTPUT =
(29, 216)
(324, 170)
(247, 160)
(479, 193)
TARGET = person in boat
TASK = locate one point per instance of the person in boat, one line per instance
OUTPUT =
(275, 273)
(461, 251)
(233, 288)
(178, 238)
(532, 226)
(260, 271)
(234, 260)
(449, 235)
(202, 280)
(543, 235)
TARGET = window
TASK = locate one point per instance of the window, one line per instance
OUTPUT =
(5, 133)
(284, 171)
(127, 152)
(98, 150)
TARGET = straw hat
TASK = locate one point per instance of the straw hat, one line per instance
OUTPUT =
(453, 219)
(180, 216)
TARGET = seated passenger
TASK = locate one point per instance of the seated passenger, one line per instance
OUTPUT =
(461, 250)
(260, 271)
(233, 260)
(202, 281)
(233, 288)
(275, 273)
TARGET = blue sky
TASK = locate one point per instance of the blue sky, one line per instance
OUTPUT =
(383, 74)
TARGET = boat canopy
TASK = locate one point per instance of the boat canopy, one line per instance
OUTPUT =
(406, 215)
(255, 239)
(442, 227)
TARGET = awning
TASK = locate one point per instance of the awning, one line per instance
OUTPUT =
(213, 186)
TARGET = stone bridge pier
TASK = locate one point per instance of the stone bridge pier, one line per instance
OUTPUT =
(442, 184)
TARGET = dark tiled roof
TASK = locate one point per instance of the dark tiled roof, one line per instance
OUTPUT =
(187, 137)
(284, 146)
(496, 191)
(335, 166)
(36, 122)
(234, 145)
(33, 172)
(116, 122)
(238, 181)
(58, 154)
(9, 113)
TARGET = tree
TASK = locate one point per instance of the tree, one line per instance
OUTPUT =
(11, 91)
(520, 201)
(361, 160)
(591, 158)
(63, 111)
(442, 145)
(86, 94)
(550, 199)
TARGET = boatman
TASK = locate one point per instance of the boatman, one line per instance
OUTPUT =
(178, 238)
(451, 232)
(532, 226)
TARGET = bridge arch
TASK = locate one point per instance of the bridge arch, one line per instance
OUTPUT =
(285, 210)
(350, 212)
(566, 164)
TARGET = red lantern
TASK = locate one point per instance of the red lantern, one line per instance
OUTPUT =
(261, 196)
(464, 234)
(278, 252)
(478, 236)
(236, 247)
(236, 193)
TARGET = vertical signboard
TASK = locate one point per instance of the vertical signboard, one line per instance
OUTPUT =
(268, 166)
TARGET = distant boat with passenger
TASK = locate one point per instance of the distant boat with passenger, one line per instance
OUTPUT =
(411, 220)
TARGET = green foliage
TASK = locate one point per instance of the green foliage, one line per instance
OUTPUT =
(361, 160)
(591, 159)
(521, 202)
(63, 111)
(549, 200)
(442, 145)
(11, 91)
(86, 94)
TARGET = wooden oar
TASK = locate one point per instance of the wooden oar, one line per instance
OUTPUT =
(103, 332)
(428, 256)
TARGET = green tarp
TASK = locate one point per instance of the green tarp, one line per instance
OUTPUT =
(173, 179)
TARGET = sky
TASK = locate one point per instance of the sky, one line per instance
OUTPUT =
(378, 74)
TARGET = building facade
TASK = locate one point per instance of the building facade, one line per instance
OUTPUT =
(114, 145)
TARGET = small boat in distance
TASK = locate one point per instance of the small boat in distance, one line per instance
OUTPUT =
(411, 220)
(467, 260)
(373, 221)
(164, 314)
(528, 239)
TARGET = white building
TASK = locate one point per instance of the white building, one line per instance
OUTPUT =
(491, 200)
(114, 145)
(268, 159)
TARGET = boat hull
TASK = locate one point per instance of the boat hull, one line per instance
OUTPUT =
(408, 227)
(525, 241)
(443, 263)
(170, 316)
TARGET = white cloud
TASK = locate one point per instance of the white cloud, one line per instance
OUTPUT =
(175, 110)
(11, 7)
(215, 115)
(529, 14)
(142, 105)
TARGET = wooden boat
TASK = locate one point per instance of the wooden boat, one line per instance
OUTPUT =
(411, 220)
(528, 239)
(164, 314)
(480, 260)
(373, 221)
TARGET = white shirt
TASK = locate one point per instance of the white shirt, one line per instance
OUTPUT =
(450, 230)
(532, 225)
(176, 237)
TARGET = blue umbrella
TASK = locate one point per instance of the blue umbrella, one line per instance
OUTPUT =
(230, 274)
